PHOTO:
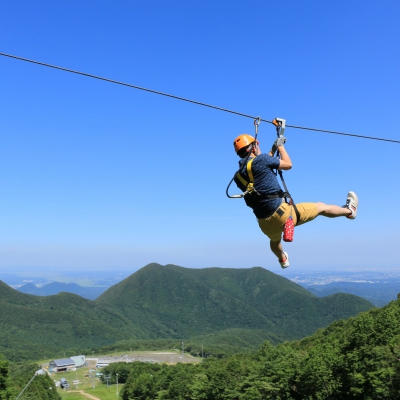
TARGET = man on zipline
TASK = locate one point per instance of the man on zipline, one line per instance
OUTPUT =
(266, 197)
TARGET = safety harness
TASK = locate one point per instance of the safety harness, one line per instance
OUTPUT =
(249, 185)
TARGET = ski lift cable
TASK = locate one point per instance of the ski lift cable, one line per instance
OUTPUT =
(189, 100)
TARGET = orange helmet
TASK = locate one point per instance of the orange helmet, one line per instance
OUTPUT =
(242, 141)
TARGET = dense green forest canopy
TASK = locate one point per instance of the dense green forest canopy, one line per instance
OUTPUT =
(354, 359)
(17, 378)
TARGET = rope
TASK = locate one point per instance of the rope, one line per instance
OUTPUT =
(189, 100)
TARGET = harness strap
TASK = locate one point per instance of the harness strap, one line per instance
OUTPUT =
(296, 211)
(249, 186)
(291, 202)
(241, 179)
(281, 194)
(249, 171)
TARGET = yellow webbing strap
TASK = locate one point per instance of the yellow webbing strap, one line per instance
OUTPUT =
(249, 170)
(247, 185)
(241, 179)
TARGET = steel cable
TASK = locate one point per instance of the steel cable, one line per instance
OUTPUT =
(189, 100)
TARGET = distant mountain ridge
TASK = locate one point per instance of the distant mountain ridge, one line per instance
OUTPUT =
(167, 302)
(52, 288)
(378, 294)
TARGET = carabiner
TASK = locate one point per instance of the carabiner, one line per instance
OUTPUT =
(257, 122)
(280, 124)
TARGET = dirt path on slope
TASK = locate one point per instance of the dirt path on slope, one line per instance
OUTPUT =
(89, 396)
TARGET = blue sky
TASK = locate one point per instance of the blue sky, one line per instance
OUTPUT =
(99, 176)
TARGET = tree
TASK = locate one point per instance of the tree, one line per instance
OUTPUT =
(3, 377)
(42, 386)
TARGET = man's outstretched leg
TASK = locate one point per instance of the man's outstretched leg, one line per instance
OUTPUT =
(272, 226)
(349, 210)
(277, 249)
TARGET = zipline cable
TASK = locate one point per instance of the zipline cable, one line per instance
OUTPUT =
(128, 85)
(188, 100)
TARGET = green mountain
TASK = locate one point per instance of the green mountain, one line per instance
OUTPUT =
(39, 327)
(176, 302)
(169, 302)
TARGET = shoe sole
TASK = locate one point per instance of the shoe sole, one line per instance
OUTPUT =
(354, 199)
(287, 260)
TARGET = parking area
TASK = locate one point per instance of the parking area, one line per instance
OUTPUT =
(143, 356)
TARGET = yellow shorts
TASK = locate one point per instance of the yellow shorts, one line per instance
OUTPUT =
(273, 225)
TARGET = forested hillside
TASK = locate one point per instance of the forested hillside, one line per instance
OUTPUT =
(15, 377)
(354, 359)
(169, 302)
(177, 302)
(33, 327)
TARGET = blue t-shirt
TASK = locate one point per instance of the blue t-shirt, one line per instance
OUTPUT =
(265, 182)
